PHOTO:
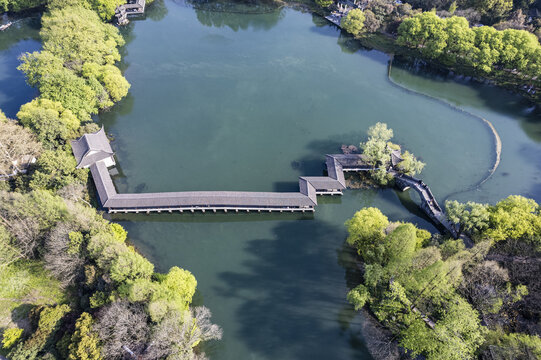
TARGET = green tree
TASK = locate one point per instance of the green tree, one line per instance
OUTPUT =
(181, 283)
(77, 36)
(520, 51)
(129, 265)
(460, 46)
(84, 342)
(459, 332)
(513, 345)
(75, 66)
(56, 169)
(470, 217)
(493, 10)
(376, 151)
(174, 292)
(452, 7)
(417, 337)
(515, 217)
(40, 342)
(489, 45)
(353, 22)
(425, 32)
(20, 5)
(456, 336)
(324, 3)
(399, 247)
(358, 296)
(106, 8)
(11, 336)
(410, 165)
(119, 233)
(371, 22)
(366, 231)
(50, 121)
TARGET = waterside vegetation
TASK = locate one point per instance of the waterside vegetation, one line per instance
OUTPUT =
(443, 300)
(507, 53)
(72, 287)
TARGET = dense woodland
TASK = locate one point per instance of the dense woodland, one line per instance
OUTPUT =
(445, 300)
(71, 287)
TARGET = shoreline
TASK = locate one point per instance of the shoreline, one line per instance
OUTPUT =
(386, 43)
(497, 142)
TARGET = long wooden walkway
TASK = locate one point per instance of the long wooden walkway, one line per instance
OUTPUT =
(305, 200)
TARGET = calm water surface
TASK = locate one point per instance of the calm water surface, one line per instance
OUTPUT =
(231, 101)
(21, 37)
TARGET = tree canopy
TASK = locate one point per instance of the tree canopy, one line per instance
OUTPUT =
(411, 289)
(452, 41)
(377, 151)
(76, 66)
(353, 22)
(515, 217)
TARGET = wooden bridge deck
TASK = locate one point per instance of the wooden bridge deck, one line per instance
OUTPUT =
(303, 201)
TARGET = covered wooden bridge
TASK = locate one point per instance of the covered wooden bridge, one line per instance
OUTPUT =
(94, 151)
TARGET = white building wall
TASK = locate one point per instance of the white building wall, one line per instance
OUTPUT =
(110, 161)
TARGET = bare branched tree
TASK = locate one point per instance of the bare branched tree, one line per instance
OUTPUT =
(206, 330)
(484, 285)
(25, 230)
(177, 335)
(85, 217)
(123, 328)
(16, 142)
(64, 263)
(73, 192)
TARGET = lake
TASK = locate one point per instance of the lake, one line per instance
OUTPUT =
(230, 97)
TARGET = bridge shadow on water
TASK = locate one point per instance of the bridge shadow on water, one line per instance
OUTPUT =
(293, 294)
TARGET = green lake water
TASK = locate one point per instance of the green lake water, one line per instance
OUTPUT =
(222, 100)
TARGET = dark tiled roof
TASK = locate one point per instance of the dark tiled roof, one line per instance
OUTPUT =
(104, 183)
(335, 170)
(323, 182)
(350, 160)
(91, 148)
(308, 189)
(305, 198)
(209, 198)
(396, 157)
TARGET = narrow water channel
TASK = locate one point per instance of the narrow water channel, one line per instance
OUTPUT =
(222, 100)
